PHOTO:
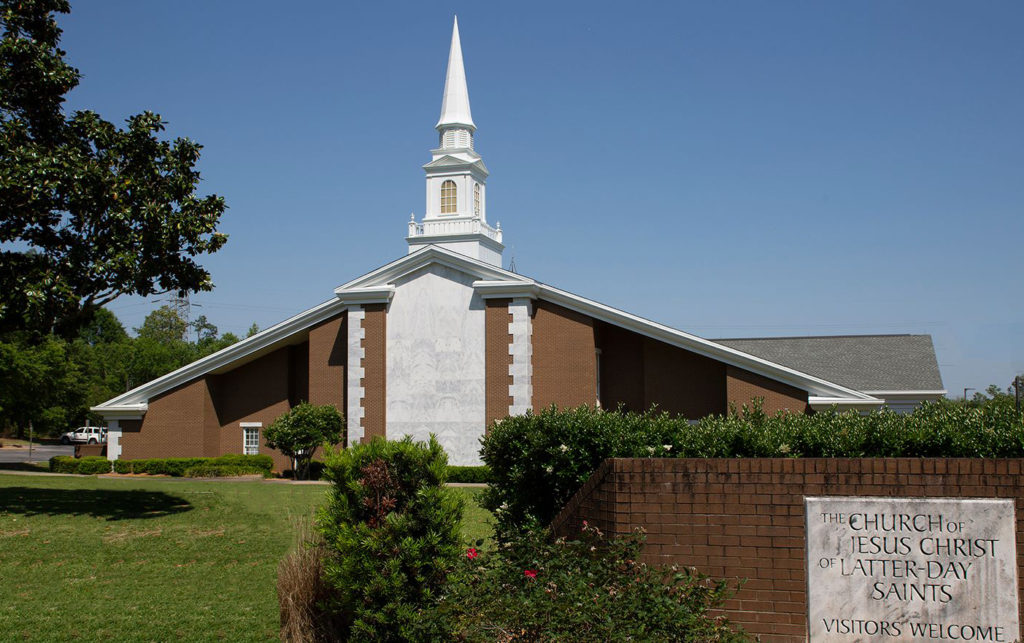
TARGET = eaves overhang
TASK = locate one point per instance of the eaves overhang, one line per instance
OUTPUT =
(138, 398)
(823, 403)
(369, 295)
(815, 386)
(506, 289)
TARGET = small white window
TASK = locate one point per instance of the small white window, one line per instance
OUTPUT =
(251, 440)
(476, 199)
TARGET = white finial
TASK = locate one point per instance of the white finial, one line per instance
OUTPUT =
(455, 104)
(412, 216)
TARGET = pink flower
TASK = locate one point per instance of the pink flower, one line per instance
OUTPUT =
(530, 573)
(471, 553)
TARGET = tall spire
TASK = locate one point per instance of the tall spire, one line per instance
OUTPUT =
(456, 215)
(455, 104)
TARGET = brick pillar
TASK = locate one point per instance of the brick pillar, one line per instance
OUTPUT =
(375, 365)
(497, 359)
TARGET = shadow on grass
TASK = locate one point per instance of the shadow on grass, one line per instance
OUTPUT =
(98, 503)
(25, 466)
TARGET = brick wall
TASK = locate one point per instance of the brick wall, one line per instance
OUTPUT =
(174, 427)
(375, 367)
(564, 361)
(744, 517)
(497, 359)
(744, 386)
(328, 352)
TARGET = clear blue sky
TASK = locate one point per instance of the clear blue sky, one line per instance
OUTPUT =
(727, 168)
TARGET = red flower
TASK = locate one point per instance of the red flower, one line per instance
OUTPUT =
(471, 553)
(530, 573)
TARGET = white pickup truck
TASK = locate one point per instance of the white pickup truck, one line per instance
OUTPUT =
(85, 435)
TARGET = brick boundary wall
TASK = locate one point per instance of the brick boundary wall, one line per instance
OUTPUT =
(744, 517)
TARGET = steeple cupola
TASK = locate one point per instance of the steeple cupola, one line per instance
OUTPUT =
(456, 214)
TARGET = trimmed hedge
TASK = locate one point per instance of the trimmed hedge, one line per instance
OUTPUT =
(540, 460)
(177, 467)
(481, 474)
(89, 465)
(222, 471)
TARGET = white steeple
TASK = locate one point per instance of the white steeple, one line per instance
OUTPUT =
(455, 103)
(456, 215)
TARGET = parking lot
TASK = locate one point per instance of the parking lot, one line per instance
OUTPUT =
(40, 452)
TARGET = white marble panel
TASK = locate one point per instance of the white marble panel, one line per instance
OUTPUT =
(911, 569)
(521, 350)
(354, 375)
(435, 356)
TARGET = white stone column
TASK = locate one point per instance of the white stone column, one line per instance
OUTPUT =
(354, 375)
(521, 350)
(113, 439)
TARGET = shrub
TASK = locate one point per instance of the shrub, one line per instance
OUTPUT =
(538, 461)
(301, 430)
(589, 589)
(89, 465)
(178, 467)
(392, 534)
(476, 475)
(63, 464)
(221, 471)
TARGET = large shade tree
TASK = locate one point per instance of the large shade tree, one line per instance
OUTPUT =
(88, 211)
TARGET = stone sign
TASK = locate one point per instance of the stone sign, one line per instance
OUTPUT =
(911, 569)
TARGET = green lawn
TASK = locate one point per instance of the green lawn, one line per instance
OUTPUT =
(150, 559)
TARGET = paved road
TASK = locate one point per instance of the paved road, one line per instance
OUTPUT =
(40, 453)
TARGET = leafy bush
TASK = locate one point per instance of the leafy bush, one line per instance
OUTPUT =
(475, 475)
(391, 530)
(222, 471)
(89, 465)
(178, 467)
(538, 461)
(301, 430)
(589, 589)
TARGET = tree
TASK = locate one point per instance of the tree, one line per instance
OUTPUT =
(39, 383)
(301, 430)
(88, 211)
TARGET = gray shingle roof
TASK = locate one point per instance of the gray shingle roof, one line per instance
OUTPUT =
(861, 362)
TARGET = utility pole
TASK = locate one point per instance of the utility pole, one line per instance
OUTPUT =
(30, 431)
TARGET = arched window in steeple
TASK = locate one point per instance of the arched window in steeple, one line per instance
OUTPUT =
(448, 200)
(476, 199)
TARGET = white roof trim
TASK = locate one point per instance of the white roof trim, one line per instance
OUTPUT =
(373, 295)
(905, 393)
(377, 286)
(707, 348)
(139, 397)
(389, 273)
(503, 289)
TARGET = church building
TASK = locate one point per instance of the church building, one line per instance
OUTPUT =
(444, 340)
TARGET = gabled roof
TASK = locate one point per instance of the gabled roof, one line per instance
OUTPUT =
(871, 363)
(498, 282)
(377, 286)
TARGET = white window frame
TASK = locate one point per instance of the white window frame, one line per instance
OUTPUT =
(246, 428)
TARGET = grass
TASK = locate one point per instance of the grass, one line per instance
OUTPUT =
(150, 560)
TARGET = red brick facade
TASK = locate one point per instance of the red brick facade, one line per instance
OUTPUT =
(564, 359)
(497, 358)
(744, 518)
(375, 365)
(202, 418)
